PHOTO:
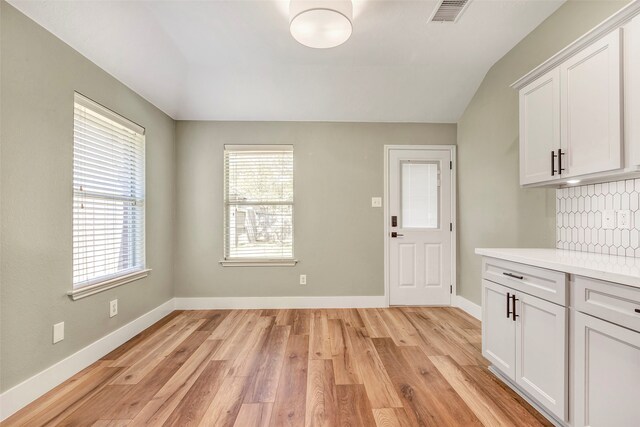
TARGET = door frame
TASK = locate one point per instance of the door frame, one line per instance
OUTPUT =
(454, 217)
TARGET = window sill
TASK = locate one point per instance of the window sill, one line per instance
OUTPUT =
(258, 263)
(86, 291)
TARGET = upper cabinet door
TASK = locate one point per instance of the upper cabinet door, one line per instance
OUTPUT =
(591, 108)
(540, 129)
(632, 92)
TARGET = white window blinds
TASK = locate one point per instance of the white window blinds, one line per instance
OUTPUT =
(108, 195)
(258, 197)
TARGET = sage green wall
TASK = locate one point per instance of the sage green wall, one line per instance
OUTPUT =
(338, 235)
(39, 74)
(339, 167)
(493, 211)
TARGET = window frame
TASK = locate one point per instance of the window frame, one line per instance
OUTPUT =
(109, 281)
(248, 261)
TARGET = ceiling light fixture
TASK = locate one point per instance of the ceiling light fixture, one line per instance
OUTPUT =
(321, 24)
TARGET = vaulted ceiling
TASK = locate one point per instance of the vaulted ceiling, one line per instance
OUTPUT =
(235, 60)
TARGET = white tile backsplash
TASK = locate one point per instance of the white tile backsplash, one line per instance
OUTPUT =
(579, 218)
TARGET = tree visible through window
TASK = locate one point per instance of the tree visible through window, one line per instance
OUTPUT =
(258, 202)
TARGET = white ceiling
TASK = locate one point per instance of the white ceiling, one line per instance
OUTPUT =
(235, 60)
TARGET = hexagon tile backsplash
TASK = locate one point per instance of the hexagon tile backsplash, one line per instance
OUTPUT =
(579, 213)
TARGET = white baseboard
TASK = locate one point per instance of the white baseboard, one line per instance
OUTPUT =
(29, 390)
(470, 307)
(280, 302)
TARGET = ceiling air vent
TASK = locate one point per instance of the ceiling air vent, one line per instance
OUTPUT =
(449, 10)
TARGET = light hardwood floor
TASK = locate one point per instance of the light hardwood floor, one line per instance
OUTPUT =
(364, 367)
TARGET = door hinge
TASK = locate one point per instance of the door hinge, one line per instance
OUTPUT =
(451, 289)
(450, 226)
(451, 165)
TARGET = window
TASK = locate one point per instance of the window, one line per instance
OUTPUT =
(258, 199)
(108, 198)
(419, 197)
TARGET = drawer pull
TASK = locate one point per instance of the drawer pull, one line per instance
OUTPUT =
(637, 310)
(514, 276)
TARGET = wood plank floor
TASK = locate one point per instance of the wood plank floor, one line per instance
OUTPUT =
(339, 367)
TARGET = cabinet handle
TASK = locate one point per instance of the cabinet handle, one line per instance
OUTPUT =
(560, 168)
(513, 313)
(637, 310)
(514, 276)
(553, 163)
(508, 309)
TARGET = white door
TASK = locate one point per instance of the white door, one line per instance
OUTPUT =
(420, 261)
(540, 129)
(607, 373)
(591, 108)
(541, 352)
(498, 328)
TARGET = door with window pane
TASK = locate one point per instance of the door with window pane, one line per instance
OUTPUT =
(420, 261)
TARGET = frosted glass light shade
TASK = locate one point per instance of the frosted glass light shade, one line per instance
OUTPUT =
(321, 24)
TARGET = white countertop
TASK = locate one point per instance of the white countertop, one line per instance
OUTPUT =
(619, 269)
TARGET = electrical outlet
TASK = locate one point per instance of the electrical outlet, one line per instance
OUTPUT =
(376, 202)
(609, 219)
(58, 332)
(113, 308)
(624, 219)
(303, 279)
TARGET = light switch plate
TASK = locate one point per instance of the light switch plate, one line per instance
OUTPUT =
(376, 202)
(58, 332)
(624, 219)
(609, 219)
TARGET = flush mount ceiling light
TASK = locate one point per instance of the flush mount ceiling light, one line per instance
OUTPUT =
(321, 24)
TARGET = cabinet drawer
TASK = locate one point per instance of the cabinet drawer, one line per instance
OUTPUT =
(546, 284)
(608, 301)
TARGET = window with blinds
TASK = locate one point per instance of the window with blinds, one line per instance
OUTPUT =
(108, 195)
(258, 198)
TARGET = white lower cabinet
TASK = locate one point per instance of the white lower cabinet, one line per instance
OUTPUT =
(606, 384)
(525, 338)
(498, 329)
(569, 343)
(541, 352)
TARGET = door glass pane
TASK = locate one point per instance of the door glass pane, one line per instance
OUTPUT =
(419, 182)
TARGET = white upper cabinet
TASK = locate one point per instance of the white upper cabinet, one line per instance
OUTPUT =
(632, 93)
(540, 129)
(578, 109)
(591, 113)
